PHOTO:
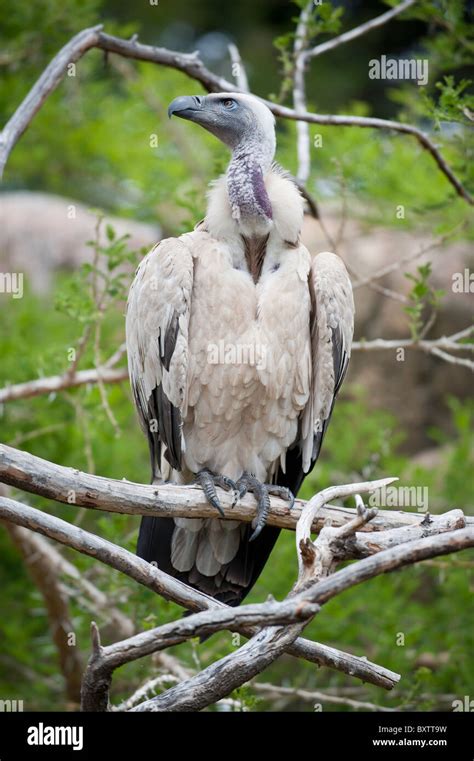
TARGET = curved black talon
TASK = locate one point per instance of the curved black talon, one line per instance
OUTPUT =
(208, 481)
(262, 493)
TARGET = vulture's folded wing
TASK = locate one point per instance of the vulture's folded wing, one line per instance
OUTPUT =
(332, 328)
(157, 324)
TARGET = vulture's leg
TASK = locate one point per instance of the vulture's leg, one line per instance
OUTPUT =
(208, 481)
(262, 493)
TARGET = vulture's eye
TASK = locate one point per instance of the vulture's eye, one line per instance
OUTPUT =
(228, 103)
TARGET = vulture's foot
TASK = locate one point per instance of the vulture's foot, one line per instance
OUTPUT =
(208, 481)
(262, 493)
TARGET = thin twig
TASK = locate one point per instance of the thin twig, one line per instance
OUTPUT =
(435, 346)
(273, 690)
(358, 31)
(238, 67)
(299, 94)
(387, 269)
(60, 382)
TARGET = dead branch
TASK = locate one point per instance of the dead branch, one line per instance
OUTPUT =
(192, 66)
(437, 346)
(45, 85)
(149, 576)
(299, 94)
(273, 690)
(71, 486)
(274, 639)
(363, 544)
(143, 691)
(318, 559)
(360, 30)
(105, 660)
(220, 679)
(389, 560)
(239, 68)
(301, 57)
(325, 552)
(225, 675)
(55, 383)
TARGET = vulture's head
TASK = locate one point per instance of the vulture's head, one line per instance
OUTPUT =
(237, 119)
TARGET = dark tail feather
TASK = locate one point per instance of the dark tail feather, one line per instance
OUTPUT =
(236, 579)
(239, 576)
(154, 542)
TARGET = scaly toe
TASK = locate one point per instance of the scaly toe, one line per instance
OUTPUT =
(284, 493)
(248, 483)
(208, 482)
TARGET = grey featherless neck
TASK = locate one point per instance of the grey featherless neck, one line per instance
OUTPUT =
(251, 160)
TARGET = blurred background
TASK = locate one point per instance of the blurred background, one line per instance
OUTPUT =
(100, 175)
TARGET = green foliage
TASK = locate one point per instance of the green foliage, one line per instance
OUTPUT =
(453, 44)
(246, 699)
(422, 295)
(92, 141)
(323, 19)
(454, 104)
(77, 297)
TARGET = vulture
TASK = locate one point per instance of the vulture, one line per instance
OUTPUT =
(238, 341)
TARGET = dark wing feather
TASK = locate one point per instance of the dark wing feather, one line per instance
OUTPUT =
(332, 325)
(156, 327)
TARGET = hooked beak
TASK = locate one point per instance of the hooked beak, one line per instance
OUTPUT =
(186, 106)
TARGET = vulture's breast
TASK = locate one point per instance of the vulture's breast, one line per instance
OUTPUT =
(249, 359)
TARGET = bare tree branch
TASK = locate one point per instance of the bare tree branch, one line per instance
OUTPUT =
(273, 690)
(389, 560)
(105, 660)
(364, 543)
(148, 575)
(376, 123)
(358, 31)
(98, 548)
(238, 67)
(46, 84)
(98, 676)
(143, 691)
(55, 383)
(435, 346)
(70, 486)
(302, 55)
(192, 66)
(299, 94)
(141, 571)
(222, 677)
